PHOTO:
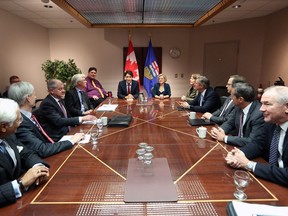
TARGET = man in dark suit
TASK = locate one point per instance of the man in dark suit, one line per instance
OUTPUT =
(221, 115)
(12, 79)
(128, 88)
(76, 100)
(54, 117)
(16, 158)
(246, 123)
(206, 101)
(274, 145)
(30, 132)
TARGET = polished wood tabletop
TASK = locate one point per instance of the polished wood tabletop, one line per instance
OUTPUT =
(90, 179)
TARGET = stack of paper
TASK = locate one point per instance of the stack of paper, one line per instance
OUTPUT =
(244, 209)
(107, 107)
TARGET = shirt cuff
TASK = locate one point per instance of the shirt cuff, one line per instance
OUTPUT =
(16, 188)
(225, 139)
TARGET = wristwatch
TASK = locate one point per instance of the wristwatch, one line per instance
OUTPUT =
(250, 166)
(21, 186)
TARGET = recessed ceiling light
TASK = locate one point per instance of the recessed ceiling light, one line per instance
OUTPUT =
(48, 6)
(45, 1)
(236, 6)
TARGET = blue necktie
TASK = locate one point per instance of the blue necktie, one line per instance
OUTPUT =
(201, 99)
(273, 155)
(5, 152)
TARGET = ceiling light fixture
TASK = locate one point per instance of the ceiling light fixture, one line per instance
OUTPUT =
(45, 1)
(48, 6)
(236, 6)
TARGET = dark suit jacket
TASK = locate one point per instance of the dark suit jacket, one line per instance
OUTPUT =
(252, 128)
(210, 102)
(53, 120)
(29, 135)
(257, 149)
(221, 119)
(122, 89)
(156, 87)
(73, 104)
(25, 160)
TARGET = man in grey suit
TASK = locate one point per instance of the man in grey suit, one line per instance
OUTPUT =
(30, 132)
(221, 115)
(274, 146)
(246, 123)
(16, 158)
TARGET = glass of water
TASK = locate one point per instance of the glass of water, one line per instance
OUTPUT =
(99, 125)
(94, 135)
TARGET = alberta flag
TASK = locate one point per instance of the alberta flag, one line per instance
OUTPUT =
(131, 62)
(151, 70)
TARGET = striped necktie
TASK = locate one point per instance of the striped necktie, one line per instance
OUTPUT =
(96, 87)
(35, 121)
(240, 131)
(273, 154)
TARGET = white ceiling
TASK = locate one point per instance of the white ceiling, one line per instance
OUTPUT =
(55, 17)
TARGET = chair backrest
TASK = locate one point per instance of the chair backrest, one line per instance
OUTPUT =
(221, 91)
(223, 99)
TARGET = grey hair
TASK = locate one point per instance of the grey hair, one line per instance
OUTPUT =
(76, 78)
(281, 93)
(52, 83)
(8, 111)
(20, 91)
(203, 81)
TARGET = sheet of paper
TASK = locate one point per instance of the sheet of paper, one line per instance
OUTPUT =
(107, 107)
(244, 209)
(68, 137)
(89, 122)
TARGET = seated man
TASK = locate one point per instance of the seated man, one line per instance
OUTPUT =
(16, 158)
(128, 88)
(273, 147)
(12, 79)
(221, 114)
(206, 101)
(53, 117)
(94, 89)
(30, 132)
(246, 123)
(76, 100)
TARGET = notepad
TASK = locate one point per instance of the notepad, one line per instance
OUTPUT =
(107, 108)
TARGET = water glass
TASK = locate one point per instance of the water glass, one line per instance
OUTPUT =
(140, 152)
(241, 180)
(94, 135)
(99, 125)
(148, 158)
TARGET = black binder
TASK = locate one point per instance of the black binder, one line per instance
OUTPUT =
(200, 122)
(120, 121)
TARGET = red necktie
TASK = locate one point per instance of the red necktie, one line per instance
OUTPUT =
(41, 129)
(129, 88)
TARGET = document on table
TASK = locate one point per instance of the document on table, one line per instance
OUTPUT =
(248, 209)
(107, 107)
(84, 141)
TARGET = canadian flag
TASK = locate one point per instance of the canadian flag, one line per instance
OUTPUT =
(131, 62)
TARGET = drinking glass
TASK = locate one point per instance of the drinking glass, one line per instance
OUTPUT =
(94, 135)
(149, 148)
(142, 145)
(241, 180)
(99, 125)
(148, 158)
(140, 152)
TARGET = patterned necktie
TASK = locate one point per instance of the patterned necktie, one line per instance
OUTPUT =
(273, 155)
(83, 101)
(96, 87)
(63, 108)
(129, 88)
(35, 121)
(240, 131)
(5, 152)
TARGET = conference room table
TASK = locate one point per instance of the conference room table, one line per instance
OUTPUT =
(90, 179)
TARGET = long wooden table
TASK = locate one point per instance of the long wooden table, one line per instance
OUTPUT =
(90, 180)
